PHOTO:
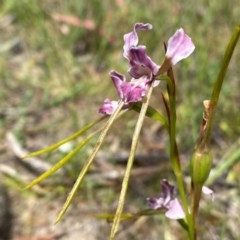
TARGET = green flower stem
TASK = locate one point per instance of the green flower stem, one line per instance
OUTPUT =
(89, 162)
(174, 156)
(218, 85)
(175, 162)
(196, 197)
(126, 178)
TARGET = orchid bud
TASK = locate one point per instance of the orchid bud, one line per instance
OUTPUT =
(200, 166)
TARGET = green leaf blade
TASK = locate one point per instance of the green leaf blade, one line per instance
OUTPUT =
(68, 139)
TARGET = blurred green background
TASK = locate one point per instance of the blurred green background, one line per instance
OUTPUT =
(55, 57)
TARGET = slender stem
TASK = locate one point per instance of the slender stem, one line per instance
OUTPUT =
(127, 174)
(218, 85)
(195, 200)
(174, 155)
(175, 162)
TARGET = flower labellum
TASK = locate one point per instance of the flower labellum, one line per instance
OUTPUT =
(141, 64)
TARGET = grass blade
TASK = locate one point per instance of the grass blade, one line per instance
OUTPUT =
(126, 178)
(88, 163)
(68, 139)
(62, 162)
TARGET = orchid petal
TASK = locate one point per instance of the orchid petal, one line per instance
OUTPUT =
(180, 46)
(118, 80)
(167, 201)
(131, 39)
(141, 63)
(208, 191)
(175, 210)
(108, 107)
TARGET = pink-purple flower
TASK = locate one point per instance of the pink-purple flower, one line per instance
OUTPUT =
(132, 91)
(128, 91)
(108, 107)
(179, 47)
(143, 69)
(168, 201)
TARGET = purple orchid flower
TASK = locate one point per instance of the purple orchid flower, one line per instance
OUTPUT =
(179, 47)
(108, 107)
(168, 201)
(129, 92)
(142, 69)
(132, 91)
(141, 64)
